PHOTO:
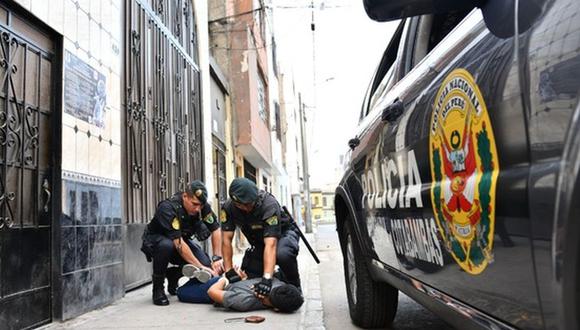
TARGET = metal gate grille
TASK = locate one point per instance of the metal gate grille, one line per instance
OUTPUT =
(162, 100)
(27, 148)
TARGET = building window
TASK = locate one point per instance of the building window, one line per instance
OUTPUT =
(249, 171)
(262, 100)
(316, 201)
(278, 127)
(265, 182)
(324, 203)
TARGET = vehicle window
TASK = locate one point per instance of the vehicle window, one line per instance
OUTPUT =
(385, 69)
(431, 30)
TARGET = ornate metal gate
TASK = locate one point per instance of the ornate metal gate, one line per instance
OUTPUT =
(27, 140)
(163, 147)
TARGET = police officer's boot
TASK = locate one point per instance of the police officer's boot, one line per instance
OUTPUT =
(159, 297)
(173, 275)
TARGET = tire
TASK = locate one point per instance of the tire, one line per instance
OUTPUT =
(371, 304)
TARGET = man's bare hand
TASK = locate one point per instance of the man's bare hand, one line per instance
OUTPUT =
(241, 273)
(211, 271)
(218, 266)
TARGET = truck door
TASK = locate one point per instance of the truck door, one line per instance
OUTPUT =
(461, 222)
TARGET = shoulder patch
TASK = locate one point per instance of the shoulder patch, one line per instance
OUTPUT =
(175, 224)
(209, 218)
(272, 221)
(223, 216)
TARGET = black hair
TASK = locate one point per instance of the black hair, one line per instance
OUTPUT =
(286, 298)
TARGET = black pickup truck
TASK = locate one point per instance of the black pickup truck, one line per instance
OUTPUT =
(461, 185)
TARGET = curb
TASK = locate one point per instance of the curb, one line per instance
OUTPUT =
(312, 314)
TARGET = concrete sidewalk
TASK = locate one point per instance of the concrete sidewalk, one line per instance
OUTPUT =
(136, 311)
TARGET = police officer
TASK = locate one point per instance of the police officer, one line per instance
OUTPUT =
(272, 238)
(167, 238)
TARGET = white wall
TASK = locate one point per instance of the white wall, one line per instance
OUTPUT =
(201, 11)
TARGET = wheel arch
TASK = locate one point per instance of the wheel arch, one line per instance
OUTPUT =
(344, 209)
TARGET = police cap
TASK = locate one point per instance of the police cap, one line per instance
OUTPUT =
(243, 191)
(197, 188)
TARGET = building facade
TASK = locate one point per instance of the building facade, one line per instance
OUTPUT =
(104, 112)
(242, 42)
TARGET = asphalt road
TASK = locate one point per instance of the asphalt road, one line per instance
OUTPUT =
(410, 315)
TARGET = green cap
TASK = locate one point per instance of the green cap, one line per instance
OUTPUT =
(243, 191)
(197, 189)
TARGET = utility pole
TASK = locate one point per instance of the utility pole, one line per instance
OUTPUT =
(305, 174)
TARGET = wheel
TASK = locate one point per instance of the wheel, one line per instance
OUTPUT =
(371, 304)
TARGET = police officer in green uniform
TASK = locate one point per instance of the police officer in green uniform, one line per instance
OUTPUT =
(273, 240)
(167, 238)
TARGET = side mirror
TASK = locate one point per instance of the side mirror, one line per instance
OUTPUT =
(497, 14)
(389, 10)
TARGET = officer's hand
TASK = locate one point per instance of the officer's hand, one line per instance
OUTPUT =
(233, 276)
(211, 271)
(262, 289)
(218, 266)
(242, 274)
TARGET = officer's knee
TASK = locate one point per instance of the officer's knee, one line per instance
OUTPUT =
(164, 246)
(286, 255)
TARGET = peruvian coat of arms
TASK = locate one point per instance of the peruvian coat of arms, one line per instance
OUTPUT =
(464, 170)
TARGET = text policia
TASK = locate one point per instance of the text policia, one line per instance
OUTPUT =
(412, 237)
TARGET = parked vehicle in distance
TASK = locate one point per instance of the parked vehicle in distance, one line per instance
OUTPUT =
(462, 186)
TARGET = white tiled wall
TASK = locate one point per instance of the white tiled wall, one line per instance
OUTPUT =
(92, 32)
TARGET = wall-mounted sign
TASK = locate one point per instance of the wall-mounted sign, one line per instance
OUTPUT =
(85, 92)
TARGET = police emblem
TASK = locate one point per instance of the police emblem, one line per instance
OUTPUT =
(175, 224)
(198, 192)
(223, 216)
(464, 170)
(272, 221)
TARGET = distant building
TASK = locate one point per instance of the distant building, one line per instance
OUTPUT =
(244, 49)
(322, 205)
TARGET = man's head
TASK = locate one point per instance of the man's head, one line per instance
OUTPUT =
(244, 194)
(286, 298)
(194, 196)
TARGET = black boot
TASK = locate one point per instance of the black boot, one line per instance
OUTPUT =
(159, 297)
(173, 275)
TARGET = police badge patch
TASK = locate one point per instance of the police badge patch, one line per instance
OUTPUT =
(209, 219)
(175, 224)
(223, 216)
(464, 169)
(272, 221)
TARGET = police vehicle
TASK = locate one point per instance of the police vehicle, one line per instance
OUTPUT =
(461, 186)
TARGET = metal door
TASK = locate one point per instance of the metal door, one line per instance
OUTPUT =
(27, 64)
(163, 117)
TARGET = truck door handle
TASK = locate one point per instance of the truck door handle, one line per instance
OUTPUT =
(353, 143)
(393, 111)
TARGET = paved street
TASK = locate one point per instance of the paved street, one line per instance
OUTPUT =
(410, 315)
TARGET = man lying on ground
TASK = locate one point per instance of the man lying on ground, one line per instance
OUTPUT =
(239, 295)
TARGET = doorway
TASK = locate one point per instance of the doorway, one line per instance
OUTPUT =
(29, 149)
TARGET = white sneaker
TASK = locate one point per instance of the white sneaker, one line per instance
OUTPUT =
(192, 271)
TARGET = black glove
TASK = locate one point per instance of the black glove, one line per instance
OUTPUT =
(200, 231)
(264, 287)
(232, 276)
